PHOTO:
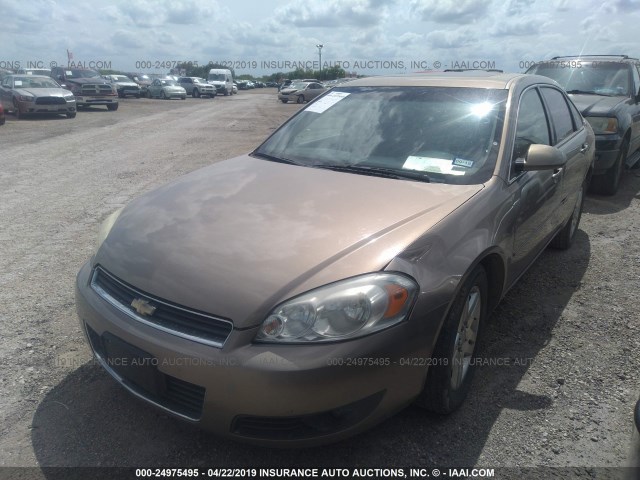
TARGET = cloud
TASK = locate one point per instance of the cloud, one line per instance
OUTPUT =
(520, 27)
(409, 38)
(334, 13)
(450, 11)
(451, 38)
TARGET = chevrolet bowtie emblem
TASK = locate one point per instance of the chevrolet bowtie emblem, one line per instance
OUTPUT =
(142, 306)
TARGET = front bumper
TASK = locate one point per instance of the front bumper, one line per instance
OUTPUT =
(32, 107)
(124, 91)
(277, 395)
(607, 151)
(87, 101)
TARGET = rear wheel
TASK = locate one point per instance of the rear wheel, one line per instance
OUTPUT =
(300, 99)
(149, 95)
(284, 100)
(453, 364)
(163, 95)
(608, 182)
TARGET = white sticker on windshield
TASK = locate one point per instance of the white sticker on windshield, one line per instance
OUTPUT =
(461, 162)
(432, 164)
(18, 83)
(69, 72)
(326, 102)
(29, 73)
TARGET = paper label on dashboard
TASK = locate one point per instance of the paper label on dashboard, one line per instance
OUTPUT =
(326, 102)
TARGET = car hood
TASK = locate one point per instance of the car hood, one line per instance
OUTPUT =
(595, 104)
(43, 92)
(173, 88)
(92, 80)
(238, 237)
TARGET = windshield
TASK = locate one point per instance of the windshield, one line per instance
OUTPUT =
(298, 86)
(34, 82)
(168, 83)
(217, 77)
(121, 78)
(38, 72)
(599, 78)
(448, 134)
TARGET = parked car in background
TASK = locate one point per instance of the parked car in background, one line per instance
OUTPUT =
(88, 87)
(29, 94)
(4, 72)
(35, 71)
(197, 87)
(166, 89)
(124, 85)
(301, 92)
(606, 89)
(222, 80)
(346, 267)
(143, 80)
(242, 84)
(2, 117)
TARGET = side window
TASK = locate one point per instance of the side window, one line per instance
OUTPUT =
(559, 112)
(636, 80)
(577, 117)
(532, 126)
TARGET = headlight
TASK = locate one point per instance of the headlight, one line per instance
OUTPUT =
(26, 98)
(603, 124)
(344, 310)
(105, 228)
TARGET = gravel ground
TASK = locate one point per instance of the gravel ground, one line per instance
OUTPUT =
(557, 384)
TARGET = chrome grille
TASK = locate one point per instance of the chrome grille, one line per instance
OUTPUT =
(166, 316)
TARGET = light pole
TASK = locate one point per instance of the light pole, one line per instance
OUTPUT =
(319, 46)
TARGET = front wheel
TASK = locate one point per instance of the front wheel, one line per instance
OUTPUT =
(71, 115)
(16, 110)
(453, 364)
(112, 107)
(163, 95)
(195, 93)
(284, 100)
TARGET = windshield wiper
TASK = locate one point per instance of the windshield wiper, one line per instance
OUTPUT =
(274, 158)
(378, 171)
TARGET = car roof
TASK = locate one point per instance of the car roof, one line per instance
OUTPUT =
(471, 78)
(27, 75)
(601, 58)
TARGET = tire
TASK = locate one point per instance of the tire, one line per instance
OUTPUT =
(564, 237)
(137, 95)
(16, 110)
(608, 182)
(195, 93)
(71, 115)
(163, 95)
(112, 107)
(300, 99)
(149, 95)
(284, 100)
(450, 374)
(184, 98)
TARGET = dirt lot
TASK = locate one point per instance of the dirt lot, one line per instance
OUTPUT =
(562, 365)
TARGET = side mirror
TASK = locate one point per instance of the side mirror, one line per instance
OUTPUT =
(541, 157)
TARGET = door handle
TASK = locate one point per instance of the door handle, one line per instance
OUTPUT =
(557, 173)
(585, 148)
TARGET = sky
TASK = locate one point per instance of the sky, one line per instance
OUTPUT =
(366, 37)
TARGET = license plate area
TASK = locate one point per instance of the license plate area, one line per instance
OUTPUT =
(134, 365)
